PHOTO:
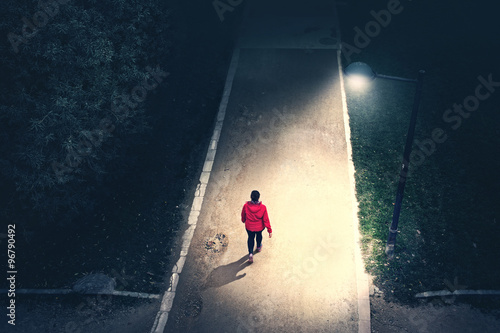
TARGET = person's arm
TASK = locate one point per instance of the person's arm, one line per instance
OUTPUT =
(267, 223)
(243, 214)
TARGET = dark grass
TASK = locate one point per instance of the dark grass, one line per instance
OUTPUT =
(449, 225)
(70, 313)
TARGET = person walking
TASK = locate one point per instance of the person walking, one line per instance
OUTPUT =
(254, 215)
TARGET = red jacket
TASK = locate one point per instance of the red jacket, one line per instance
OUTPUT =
(255, 217)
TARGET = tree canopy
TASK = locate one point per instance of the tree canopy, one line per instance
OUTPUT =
(75, 77)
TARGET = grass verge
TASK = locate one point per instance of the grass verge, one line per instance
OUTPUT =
(448, 231)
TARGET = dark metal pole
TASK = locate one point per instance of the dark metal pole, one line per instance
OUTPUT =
(393, 229)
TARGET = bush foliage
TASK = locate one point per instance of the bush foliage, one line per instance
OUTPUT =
(64, 64)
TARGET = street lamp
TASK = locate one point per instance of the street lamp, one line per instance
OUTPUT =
(361, 72)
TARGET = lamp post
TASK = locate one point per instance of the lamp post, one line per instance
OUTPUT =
(362, 71)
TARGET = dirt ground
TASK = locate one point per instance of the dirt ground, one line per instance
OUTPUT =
(438, 315)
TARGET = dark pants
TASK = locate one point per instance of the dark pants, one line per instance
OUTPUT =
(251, 236)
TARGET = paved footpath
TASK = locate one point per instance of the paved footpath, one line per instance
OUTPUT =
(280, 130)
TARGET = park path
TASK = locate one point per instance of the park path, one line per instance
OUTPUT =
(281, 130)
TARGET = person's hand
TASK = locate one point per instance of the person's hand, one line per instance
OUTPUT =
(270, 234)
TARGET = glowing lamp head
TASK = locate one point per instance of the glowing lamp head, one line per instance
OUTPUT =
(359, 74)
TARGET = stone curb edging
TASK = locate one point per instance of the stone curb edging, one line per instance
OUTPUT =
(362, 281)
(457, 293)
(168, 297)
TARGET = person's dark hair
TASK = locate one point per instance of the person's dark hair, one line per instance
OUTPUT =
(255, 195)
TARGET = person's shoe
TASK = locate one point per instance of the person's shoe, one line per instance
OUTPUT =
(250, 258)
(259, 248)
